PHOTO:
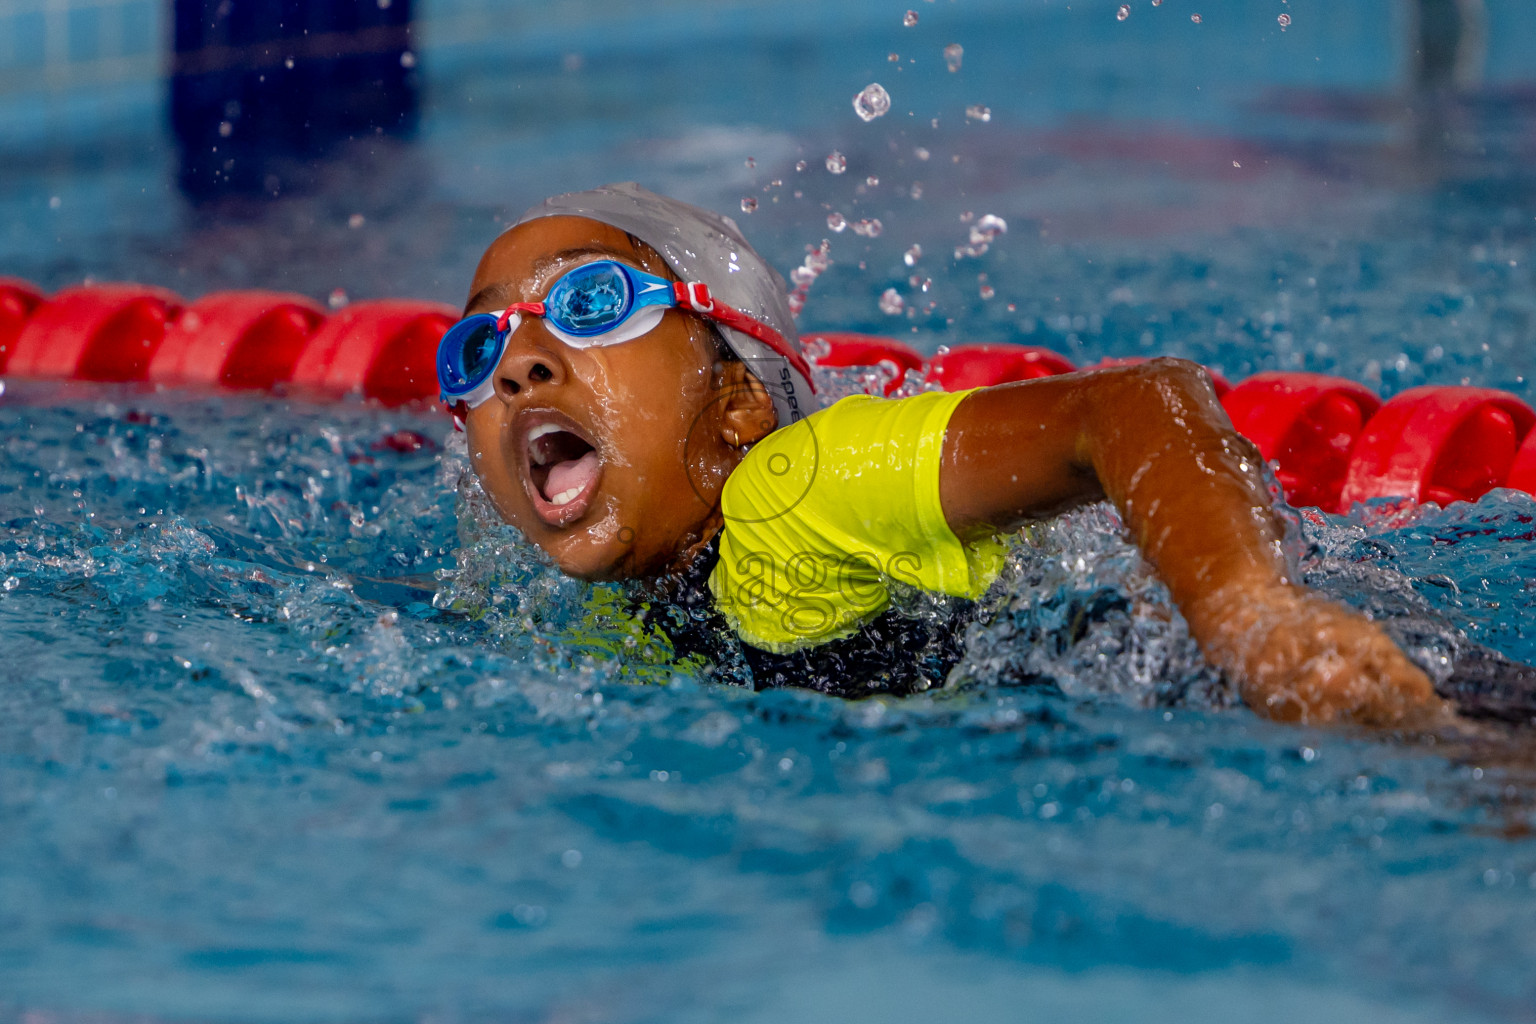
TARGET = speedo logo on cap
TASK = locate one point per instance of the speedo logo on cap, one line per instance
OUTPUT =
(787, 382)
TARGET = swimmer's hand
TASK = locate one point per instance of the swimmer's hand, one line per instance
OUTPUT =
(1297, 656)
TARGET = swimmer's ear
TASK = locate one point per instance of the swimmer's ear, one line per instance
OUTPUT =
(746, 409)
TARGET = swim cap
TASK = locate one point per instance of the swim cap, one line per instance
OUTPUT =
(703, 246)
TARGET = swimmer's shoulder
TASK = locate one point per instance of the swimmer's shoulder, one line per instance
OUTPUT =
(856, 423)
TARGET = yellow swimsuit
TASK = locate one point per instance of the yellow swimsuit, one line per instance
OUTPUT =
(824, 515)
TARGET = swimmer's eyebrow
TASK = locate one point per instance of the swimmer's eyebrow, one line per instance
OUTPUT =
(492, 295)
(499, 295)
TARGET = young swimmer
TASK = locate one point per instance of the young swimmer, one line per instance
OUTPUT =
(637, 406)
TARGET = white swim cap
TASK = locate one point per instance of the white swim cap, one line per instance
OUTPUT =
(702, 246)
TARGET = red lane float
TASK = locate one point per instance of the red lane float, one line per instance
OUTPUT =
(17, 301)
(1438, 444)
(1334, 441)
(247, 339)
(978, 366)
(94, 332)
(1307, 423)
(385, 349)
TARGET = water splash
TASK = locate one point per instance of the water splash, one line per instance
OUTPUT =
(954, 53)
(817, 259)
(1078, 610)
(909, 19)
(978, 112)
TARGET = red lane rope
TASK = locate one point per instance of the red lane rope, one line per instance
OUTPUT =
(1334, 441)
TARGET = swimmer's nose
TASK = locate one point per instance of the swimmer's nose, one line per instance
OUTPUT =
(526, 366)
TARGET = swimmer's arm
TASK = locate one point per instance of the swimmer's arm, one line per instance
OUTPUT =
(1153, 440)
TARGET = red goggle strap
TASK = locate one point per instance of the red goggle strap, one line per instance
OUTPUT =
(695, 295)
(536, 308)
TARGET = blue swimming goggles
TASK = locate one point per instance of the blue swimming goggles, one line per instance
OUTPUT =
(599, 303)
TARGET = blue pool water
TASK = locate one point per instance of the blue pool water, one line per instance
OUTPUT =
(292, 730)
(250, 772)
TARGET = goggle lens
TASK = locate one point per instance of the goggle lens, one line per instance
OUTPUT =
(468, 353)
(590, 299)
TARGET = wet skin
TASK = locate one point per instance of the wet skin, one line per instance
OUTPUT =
(668, 421)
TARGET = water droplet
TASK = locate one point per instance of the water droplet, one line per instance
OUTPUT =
(893, 57)
(909, 19)
(337, 298)
(977, 112)
(800, 165)
(871, 102)
(775, 183)
(912, 255)
(1195, 18)
(987, 291)
(917, 190)
(407, 59)
(870, 228)
(989, 227)
(921, 153)
(1123, 13)
(1157, 3)
(748, 204)
(953, 53)
(225, 129)
(288, 63)
(871, 181)
(836, 162)
(355, 221)
(836, 221)
(751, 161)
(1285, 21)
(891, 302)
(54, 202)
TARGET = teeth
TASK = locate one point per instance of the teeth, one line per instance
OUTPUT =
(535, 453)
(567, 495)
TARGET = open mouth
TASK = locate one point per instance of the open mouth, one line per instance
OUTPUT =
(563, 469)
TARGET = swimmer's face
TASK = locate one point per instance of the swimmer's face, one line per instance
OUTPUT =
(609, 458)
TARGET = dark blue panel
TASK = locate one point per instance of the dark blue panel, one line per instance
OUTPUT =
(262, 88)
